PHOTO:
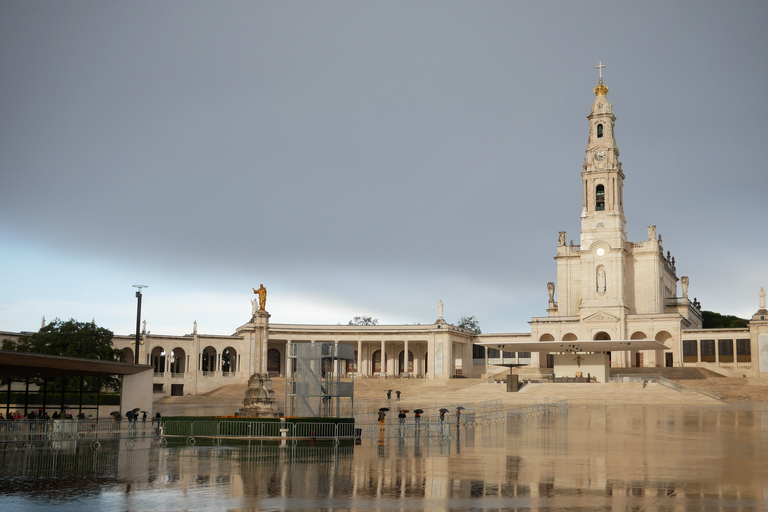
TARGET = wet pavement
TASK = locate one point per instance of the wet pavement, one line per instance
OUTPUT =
(605, 458)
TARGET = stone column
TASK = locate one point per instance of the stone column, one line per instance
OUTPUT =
(359, 358)
(261, 335)
(405, 358)
(336, 366)
(383, 359)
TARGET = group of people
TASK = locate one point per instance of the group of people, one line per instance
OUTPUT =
(389, 395)
(40, 414)
(417, 417)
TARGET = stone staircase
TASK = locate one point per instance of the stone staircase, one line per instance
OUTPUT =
(415, 392)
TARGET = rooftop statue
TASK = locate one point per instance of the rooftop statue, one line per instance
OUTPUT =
(262, 293)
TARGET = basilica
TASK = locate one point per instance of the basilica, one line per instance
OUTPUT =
(619, 302)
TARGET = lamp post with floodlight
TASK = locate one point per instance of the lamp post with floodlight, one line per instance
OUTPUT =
(138, 321)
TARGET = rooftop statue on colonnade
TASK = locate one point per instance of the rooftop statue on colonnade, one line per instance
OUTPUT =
(262, 293)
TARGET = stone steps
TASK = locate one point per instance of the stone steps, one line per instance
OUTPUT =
(416, 391)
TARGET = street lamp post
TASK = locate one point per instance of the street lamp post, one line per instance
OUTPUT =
(138, 321)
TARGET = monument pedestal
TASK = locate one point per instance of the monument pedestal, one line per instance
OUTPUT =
(259, 398)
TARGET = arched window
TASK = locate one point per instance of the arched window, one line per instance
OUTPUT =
(229, 360)
(600, 198)
(377, 362)
(273, 361)
(600, 131)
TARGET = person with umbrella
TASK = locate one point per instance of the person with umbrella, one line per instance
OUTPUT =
(417, 417)
(389, 394)
(458, 415)
(398, 395)
(383, 414)
(401, 419)
(442, 414)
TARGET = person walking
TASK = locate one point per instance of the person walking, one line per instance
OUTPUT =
(458, 417)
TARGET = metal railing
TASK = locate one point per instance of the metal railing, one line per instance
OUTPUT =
(220, 430)
(56, 434)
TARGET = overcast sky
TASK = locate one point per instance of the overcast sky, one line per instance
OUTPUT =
(364, 158)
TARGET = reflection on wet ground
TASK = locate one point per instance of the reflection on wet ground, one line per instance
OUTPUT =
(592, 458)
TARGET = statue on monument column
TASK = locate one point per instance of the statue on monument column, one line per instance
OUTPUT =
(684, 282)
(262, 293)
(762, 298)
(440, 309)
(551, 290)
(561, 239)
(652, 233)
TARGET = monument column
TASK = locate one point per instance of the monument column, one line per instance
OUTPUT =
(261, 336)
(259, 396)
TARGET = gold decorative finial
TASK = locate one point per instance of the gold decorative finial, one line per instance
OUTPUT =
(601, 88)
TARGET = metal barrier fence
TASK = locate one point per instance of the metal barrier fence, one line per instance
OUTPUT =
(217, 431)
(57, 434)
(428, 429)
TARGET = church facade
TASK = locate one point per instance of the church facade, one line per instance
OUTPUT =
(607, 288)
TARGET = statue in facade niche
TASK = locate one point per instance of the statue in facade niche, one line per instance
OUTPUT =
(262, 293)
(601, 280)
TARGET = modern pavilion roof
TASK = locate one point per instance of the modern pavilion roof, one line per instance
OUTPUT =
(585, 346)
(21, 365)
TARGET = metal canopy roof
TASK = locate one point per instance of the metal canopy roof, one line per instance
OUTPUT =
(20, 365)
(574, 346)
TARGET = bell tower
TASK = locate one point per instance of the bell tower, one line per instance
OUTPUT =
(602, 214)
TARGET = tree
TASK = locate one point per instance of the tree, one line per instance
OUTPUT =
(712, 320)
(363, 320)
(470, 323)
(71, 339)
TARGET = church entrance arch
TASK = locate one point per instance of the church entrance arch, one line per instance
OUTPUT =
(602, 336)
(550, 357)
(665, 338)
(570, 337)
(639, 361)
